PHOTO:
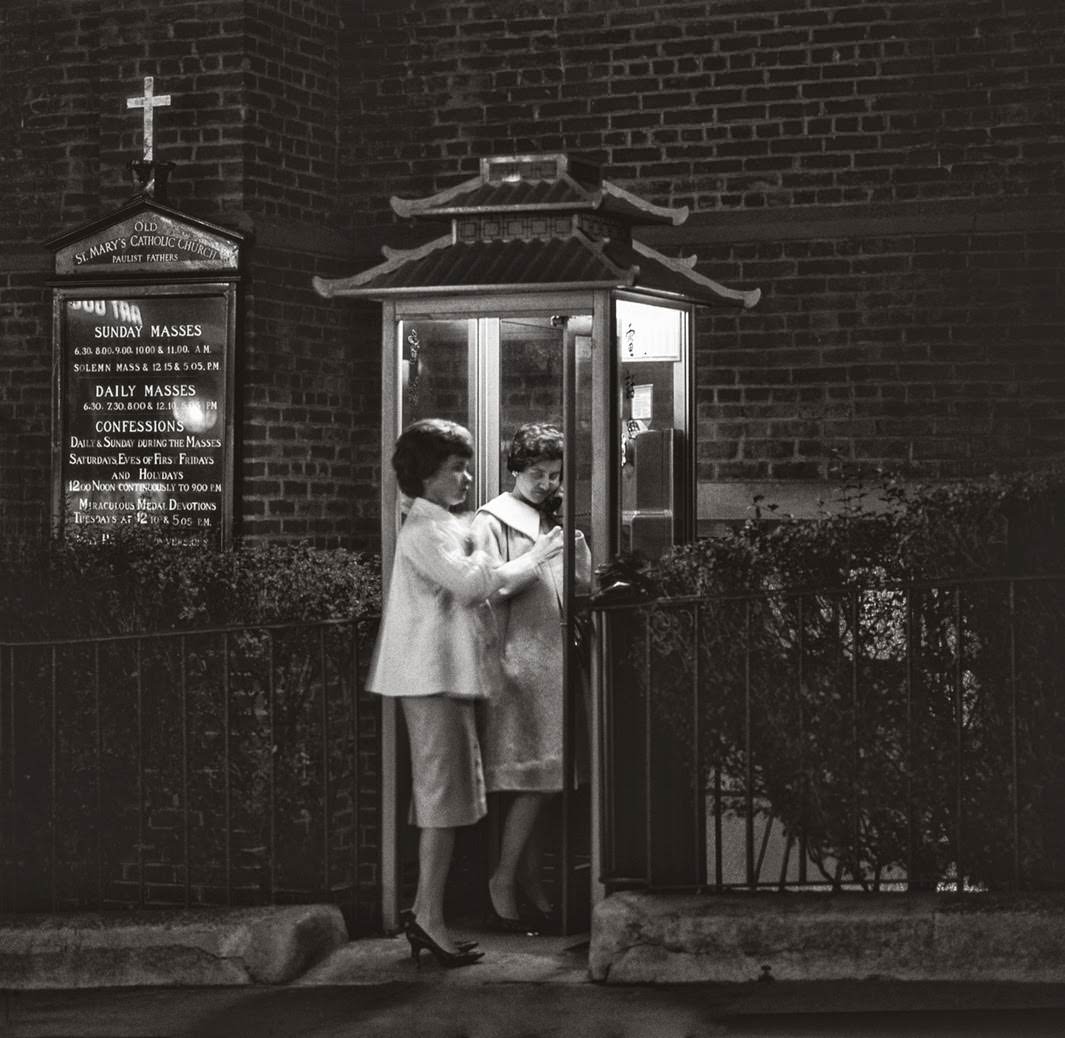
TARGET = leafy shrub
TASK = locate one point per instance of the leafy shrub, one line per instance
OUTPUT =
(870, 676)
(882, 534)
(140, 581)
(247, 741)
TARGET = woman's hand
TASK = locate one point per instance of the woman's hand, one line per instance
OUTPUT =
(547, 546)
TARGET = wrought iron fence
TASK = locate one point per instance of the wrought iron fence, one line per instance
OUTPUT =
(224, 766)
(877, 738)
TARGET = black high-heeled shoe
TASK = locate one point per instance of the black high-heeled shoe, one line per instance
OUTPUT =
(406, 917)
(419, 939)
(505, 924)
(533, 914)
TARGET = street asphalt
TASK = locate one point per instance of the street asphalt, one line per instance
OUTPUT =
(528, 988)
(436, 1009)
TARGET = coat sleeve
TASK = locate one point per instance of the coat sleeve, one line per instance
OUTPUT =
(517, 572)
(489, 537)
(441, 558)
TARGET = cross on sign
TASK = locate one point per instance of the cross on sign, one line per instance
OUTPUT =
(148, 102)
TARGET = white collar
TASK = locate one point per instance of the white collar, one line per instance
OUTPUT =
(519, 515)
(423, 507)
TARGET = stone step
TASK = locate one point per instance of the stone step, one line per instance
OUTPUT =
(268, 945)
(665, 938)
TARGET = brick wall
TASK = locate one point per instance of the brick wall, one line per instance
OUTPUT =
(253, 134)
(309, 458)
(890, 174)
(732, 103)
(926, 353)
(310, 461)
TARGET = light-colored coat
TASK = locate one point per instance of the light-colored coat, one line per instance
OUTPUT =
(521, 742)
(437, 634)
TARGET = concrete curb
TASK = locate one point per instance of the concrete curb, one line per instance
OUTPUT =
(269, 945)
(644, 938)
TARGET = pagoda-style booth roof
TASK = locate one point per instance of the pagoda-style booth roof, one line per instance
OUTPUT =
(536, 223)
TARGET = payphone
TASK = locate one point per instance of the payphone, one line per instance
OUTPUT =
(656, 464)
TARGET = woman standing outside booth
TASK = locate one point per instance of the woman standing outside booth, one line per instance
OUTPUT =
(523, 724)
(436, 652)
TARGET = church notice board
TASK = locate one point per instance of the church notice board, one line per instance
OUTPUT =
(143, 412)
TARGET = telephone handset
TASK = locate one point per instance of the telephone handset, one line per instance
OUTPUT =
(551, 507)
(630, 429)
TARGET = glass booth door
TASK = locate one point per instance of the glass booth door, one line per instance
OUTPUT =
(494, 374)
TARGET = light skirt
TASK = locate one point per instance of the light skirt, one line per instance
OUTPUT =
(446, 771)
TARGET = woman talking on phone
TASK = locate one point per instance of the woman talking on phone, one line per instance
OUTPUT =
(523, 721)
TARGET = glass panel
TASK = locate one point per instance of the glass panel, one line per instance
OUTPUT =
(530, 380)
(530, 390)
(435, 370)
(581, 434)
(534, 386)
(652, 349)
(577, 626)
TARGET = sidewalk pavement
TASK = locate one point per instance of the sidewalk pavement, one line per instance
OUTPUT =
(526, 988)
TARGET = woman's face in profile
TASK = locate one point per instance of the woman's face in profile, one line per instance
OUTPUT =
(447, 486)
(539, 480)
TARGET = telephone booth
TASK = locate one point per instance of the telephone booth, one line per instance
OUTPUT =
(539, 305)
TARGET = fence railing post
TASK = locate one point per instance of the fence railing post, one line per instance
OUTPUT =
(1015, 777)
(99, 758)
(53, 781)
(748, 761)
(699, 779)
(185, 817)
(326, 817)
(271, 749)
(959, 719)
(648, 769)
(227, 792)
(353, 730)
(911, 821)
(140, 773)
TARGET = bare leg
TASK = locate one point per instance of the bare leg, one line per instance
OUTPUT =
(435, 847)
(529, 868)
(521, 820)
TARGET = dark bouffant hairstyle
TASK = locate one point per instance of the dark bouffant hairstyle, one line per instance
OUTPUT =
(532, 442)
(423, 447)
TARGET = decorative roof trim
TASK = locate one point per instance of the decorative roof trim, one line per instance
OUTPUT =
(438, 204)
(676, 215)
(591, 195)
(684, 267)
(621, 275)
(359, 284)
(526, 207)
(512, 287)
(394, 258)
(407, 207)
